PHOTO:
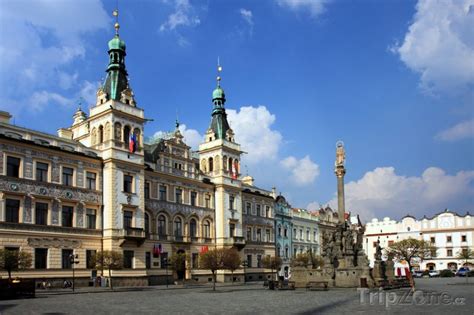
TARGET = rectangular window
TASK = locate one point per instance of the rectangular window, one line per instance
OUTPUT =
(449, 239)
(67, 256)
(67, 216)
(249, 233)
(279, 230)
(390, 243)
(147, 190)
(248, 208)
(449, 253)
(463, 238)
(42, 172)
(195, 260)
(259, 235)
(13, 166)
(147, 260)
(464, 251)
(193, 198)
(294, 233)
(127, 219)
(301, 234)
(41, 213)
(91, 217)
(258, 210)
(374, 244)
(41, 258)
(267, 236)
(285, 232)
(249, 261)
(231, 202)
(163, 192)
(432, 239)
(128, 259)
(91, 180)
(208, 201)
(179, 195)
(315, 236)
(308, 238)
(163, 260)
(12, 211)
(127, 183)
(68, 174)
(90, 259)
(259, 261)
(231, 229)
(267, 211)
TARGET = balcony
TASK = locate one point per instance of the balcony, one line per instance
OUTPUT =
(135, 235)
(172, 207)
(181, 239)
(238, 241)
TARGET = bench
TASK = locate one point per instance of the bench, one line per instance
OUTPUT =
(314, 285)
(286, 285)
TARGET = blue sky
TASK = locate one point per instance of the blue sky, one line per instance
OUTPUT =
(393, 80)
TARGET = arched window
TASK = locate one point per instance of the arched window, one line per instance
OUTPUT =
(211, 164)
(286, 251)
(224, 163)
(147, 223)
(230, 164)
(178, 227)
(278, 251)
(126, 134)
(161, 225)
(192, 228)
(101, 134)
(137, 133)
(206, 229)
(118, 131)
(107, 131)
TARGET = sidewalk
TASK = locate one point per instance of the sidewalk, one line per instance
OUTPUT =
(83, 290)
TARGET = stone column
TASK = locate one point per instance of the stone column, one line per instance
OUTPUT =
(340, 172)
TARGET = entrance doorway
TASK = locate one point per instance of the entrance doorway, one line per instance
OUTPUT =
(181, 264)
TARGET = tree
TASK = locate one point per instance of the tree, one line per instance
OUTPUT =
(213, 261)
(178, 261)
(109, 259)
(317, 261)
(466, 254)
(231, 261)
(14, 260)
(273, 263)
(409, 249)
(300, 260)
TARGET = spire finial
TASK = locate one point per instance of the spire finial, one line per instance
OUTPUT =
(177, 120)
(116, 25)
(219, 70)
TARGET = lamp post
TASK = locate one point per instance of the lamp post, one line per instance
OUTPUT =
(165, 261)
(73, 259)
(245, 264)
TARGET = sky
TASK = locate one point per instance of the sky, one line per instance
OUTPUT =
(392, 79)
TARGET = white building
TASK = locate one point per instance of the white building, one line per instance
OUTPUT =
(450, 232)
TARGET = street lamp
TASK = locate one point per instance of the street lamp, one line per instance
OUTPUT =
(73, 259)
(165, 261)
(245, 264)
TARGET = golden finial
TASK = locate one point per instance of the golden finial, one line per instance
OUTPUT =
(116, 25)
(219, 70)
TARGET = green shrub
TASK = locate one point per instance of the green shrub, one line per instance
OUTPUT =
(446, 273)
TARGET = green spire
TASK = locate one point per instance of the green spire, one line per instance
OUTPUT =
(219, 123)
(116, 80)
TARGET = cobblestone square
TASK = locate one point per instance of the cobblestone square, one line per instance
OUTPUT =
(436, 296)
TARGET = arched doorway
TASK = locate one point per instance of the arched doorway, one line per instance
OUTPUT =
(453, 266)
(181, 264)
(431, 266)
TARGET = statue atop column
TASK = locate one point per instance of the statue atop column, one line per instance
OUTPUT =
(340, 154)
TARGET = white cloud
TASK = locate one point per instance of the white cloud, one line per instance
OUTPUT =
(462, 130)
(439, 44)
(247, 16)
(313, 206)
(41, 99)
(183, 15)
(303, 171)
(39, 40)
(315, 7)
(252, 128)
(191, 137)
(382, 192)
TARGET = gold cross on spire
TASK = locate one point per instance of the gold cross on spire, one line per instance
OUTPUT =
(116, 25)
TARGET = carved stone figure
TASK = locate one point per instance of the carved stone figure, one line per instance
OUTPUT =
(378, 251)
(340, 154)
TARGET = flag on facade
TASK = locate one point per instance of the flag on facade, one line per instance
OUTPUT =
(156, 250)
(235, 170)
(132, 143)
(204, 249)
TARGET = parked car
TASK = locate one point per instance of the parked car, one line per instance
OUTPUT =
(417, 274)
(433, 273)
(462, 272)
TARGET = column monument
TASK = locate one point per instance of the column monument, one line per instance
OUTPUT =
(340, 171)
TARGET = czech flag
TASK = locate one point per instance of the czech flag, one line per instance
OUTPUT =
(156, 250)
(132, 143)
(235, 170)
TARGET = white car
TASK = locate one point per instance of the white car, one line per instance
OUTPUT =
(433, 273)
